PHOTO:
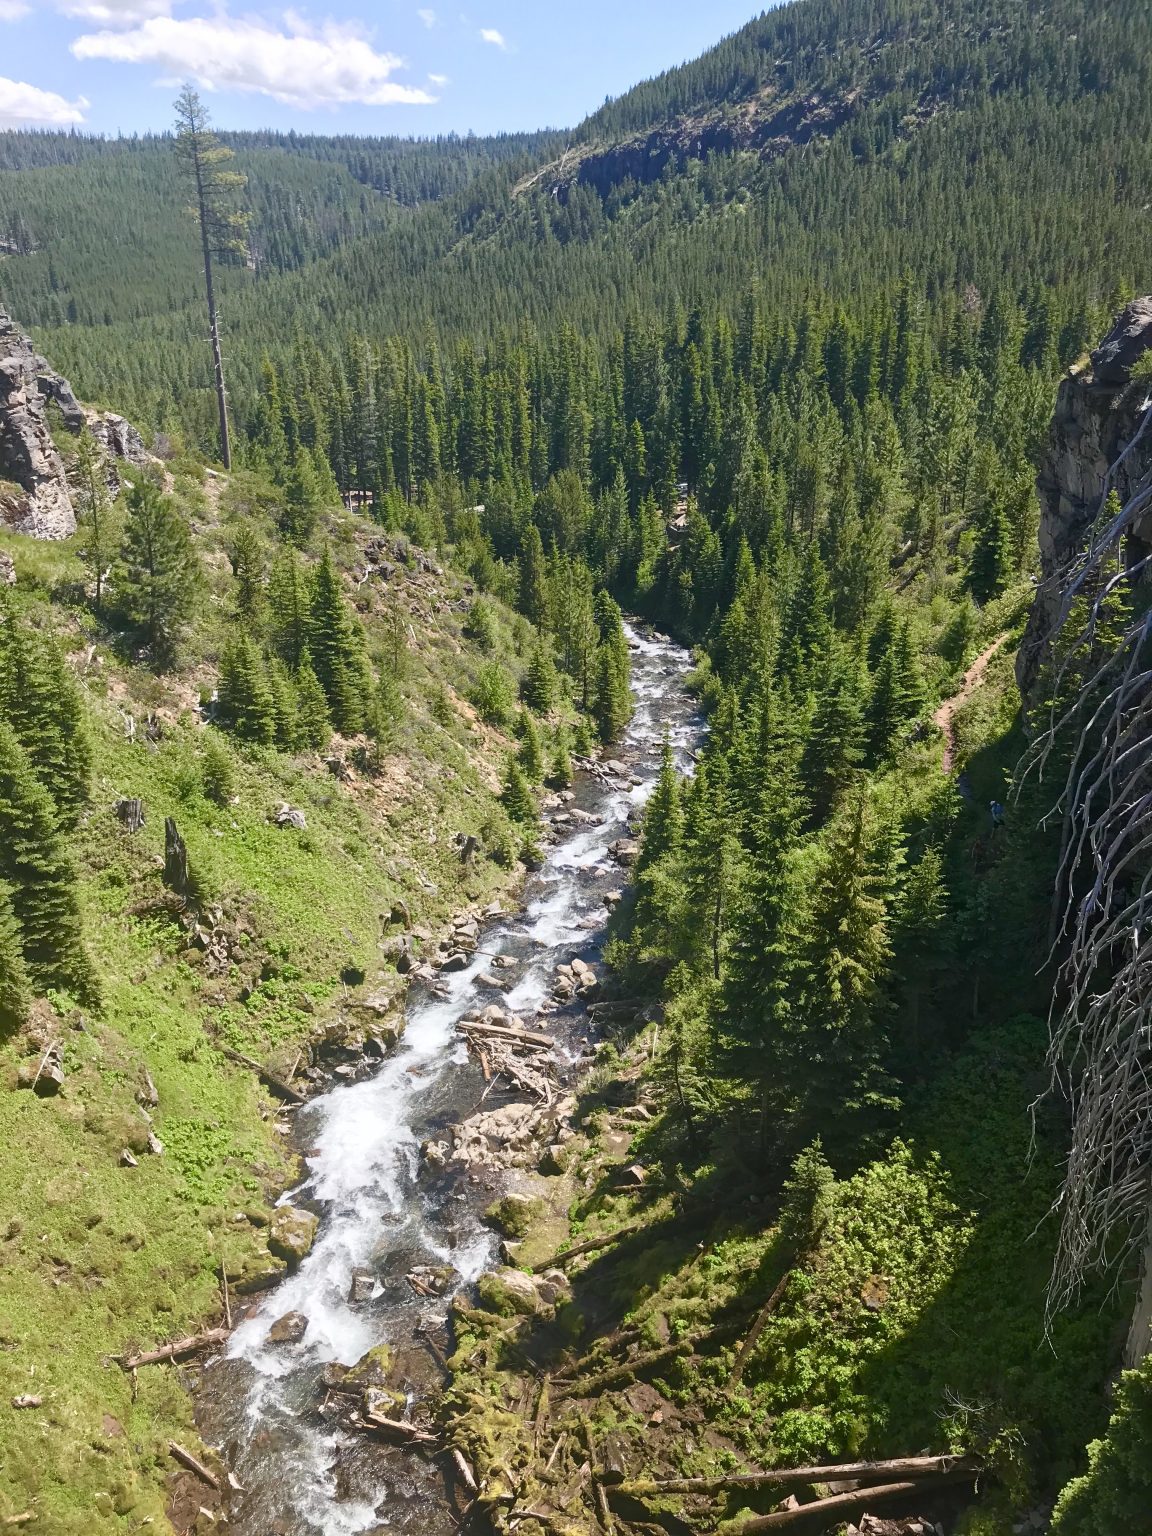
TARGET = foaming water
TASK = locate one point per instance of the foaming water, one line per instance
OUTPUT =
(298, 1475)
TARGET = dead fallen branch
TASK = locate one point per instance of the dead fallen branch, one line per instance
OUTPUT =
(399, 1429)
(908, 1467)
(757, 1329)
(591, 1246)
(822, 1513)
(267, 1077)
(467, 1476)
(186, 1459)
(177, 1351)
(506, 1032)
(27, 1400)
(25, 1518)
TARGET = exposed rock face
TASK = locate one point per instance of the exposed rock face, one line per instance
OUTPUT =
(37, 499)
(42, 506)
(1098, 413)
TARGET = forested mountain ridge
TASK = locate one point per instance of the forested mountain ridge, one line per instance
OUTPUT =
(1002, 152)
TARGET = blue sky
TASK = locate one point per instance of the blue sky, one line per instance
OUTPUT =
(350, 66)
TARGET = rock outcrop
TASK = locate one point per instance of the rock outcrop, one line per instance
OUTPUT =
(35, 497)
(1099, 409)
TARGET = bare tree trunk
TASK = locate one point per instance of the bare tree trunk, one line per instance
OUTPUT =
(213, 321)
(1140, 1332)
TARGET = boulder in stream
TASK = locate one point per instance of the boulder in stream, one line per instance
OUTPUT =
(292, 1234)
(289, 1329)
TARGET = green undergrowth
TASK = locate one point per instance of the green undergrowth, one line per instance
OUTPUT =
(100, 1258)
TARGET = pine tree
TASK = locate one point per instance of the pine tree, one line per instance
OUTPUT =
(560, 773)
(538, 689)
(313, 727)
(532, 600)
(833, 747)
(246, 555)
(35, 867)
(39, 699)
(531, 755)
(247, 702)
(831, 1075)
(516, 796)
(289, 604)
(98, 521)
(611, 699)
(302, 497)
(157, 575)
(336, 651)
(217, 774)
(15, 988)
(663, 817)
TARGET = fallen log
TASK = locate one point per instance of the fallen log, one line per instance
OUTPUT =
(757, 1329)
(186, 1459)
(177, 1351)
(906, 1467)
(591, 1386)
(399, 1429)
(822, 1513)
(27, 1400)
(504, 1032)
(267, 1077)
(26, 1518)
(560, 1259)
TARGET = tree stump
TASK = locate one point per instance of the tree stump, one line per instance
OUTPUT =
(131, 814)
(176, 876)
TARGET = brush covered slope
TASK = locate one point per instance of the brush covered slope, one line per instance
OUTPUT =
(244, 790)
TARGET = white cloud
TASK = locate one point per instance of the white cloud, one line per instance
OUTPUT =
(497, 39)
(21, 103)
(438, 80)
(115, 12)
(428, 17)
(13, 10)
(301, 65)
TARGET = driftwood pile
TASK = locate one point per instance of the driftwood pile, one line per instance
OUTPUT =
(506, 1049)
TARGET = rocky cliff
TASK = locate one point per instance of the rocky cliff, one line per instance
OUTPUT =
(1099, 410)
(35, 497)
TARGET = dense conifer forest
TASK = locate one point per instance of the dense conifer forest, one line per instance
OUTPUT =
(763, 354)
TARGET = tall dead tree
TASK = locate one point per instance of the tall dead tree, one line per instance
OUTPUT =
(204, 161)
(1095, 739)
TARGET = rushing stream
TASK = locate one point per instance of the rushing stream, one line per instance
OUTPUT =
(300, 1473)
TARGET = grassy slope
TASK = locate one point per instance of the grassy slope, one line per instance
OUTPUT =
(98, 1258)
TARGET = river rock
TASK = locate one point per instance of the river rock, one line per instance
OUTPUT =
(434, 1155)
(289, 1329)
(456, 961)
(625, 850)
(292, 1234)
(259, 1272)
(361, 1286)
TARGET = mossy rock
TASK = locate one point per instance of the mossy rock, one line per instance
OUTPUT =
(511, 1293)
(292, 1234)
(372, 1369)
(258, 1272)
(513, 1215)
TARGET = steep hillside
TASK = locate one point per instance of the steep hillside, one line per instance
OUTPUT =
(236, 913)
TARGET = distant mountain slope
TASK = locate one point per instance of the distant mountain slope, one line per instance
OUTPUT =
(824, 150)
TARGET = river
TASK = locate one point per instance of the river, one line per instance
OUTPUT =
(297, 1473)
